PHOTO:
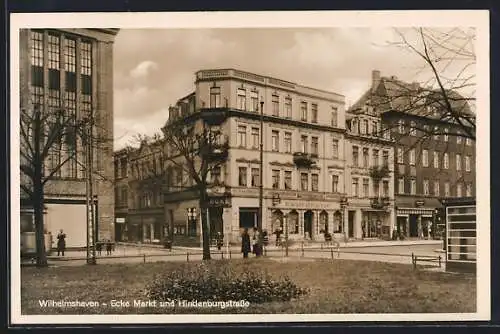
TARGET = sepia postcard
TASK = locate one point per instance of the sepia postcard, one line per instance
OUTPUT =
(229, 167)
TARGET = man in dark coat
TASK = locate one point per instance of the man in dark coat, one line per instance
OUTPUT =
(245, 243)
(61, 243)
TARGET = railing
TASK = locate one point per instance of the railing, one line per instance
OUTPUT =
(425, 258)
(301, 159)
(379, 202)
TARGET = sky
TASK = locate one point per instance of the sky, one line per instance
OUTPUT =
(153, 68)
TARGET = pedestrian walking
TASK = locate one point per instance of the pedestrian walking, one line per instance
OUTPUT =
(61, 243)
(109, 247)
(255, 242)
(245, 243)
(219, 241)
(98, 247)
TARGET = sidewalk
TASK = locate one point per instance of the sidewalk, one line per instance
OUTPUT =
(310, 244)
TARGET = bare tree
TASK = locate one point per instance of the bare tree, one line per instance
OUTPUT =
(49, 141)
(197, 149)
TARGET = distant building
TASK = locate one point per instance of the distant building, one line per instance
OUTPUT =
(121, 163)
(434, 159)
(71, 69)
(370, 178)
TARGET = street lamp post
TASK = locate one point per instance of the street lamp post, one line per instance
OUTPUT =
(286, 235)
(261, 176)
(91, 255)
(343, 205)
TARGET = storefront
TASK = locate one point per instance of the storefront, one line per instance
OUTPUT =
(416, 217)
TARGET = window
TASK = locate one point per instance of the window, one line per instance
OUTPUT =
(255, 137)
(426, 130)
(303, 144)
(314, 145)
(335, 148)
(385, 188)
(401, 126)
(86, 67)
(436, 188)
(276, 178)
(385, 158)
(288, 142)
(53, 51)
(241, 99)
(468, 190)
(255, 177)
(254, 99)
(413, 186)
(436, 132)
(376, 188)
(401, 185)
(37, 48)
(426, 187)
(314, 182)
(288, 107)
(400, 156)
(276, 105)
(242, 176)
(447, 189)
(459, 139)
(413, 128)
(314, 113)
(467, 163)
(446, 161)
(215, 174)
(334, 117)
(288, 179)
(242, 136)
(335, 183)
(446, 137)
(303, 111)
(355, 156)
(458, 160)
(304, 180)
(215, 100)
(366, 187)
(355, 191)
(425, 158)
(436, 159)
(412, 157)
(468, 141)
(366, 163)
(275, 140)
(459, 190)
(374, 128)
(364, 127)
(375, 158)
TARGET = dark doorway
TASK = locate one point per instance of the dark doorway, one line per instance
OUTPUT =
(248, 217)
(308, 223)
(401, 226)
(351, 223)
(216, 223)
(413, 226)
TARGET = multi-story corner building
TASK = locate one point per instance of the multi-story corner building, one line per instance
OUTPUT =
(303, 160)
(71, 69)
(370, 178)
(434, 159)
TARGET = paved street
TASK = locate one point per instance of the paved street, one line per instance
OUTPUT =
(382, 251)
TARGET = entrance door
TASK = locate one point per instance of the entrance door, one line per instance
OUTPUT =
(351, 223)
(216, 224)
(413, 226)
(308, 223)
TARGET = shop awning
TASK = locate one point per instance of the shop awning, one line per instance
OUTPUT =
(415, 211)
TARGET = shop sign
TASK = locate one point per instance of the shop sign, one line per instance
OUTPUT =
(218, 201)
(419, 203)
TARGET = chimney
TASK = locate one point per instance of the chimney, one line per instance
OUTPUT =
(375, 78)
(393, 77)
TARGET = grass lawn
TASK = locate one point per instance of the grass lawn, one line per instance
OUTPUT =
(341, 286)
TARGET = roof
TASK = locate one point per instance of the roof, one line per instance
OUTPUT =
(391, 94)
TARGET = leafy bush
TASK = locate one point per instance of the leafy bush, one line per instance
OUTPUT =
(217, 281)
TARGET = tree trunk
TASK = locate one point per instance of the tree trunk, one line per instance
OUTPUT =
(38, 207)
(204, 223)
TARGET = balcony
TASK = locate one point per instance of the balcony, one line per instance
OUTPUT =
(379, 202)
(218, 152)
(304, 160)
(378, 173)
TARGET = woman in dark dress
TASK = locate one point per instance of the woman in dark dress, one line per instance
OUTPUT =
(245, 243)
(61, 243)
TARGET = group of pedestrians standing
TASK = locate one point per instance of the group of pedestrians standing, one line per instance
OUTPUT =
(254, 246)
